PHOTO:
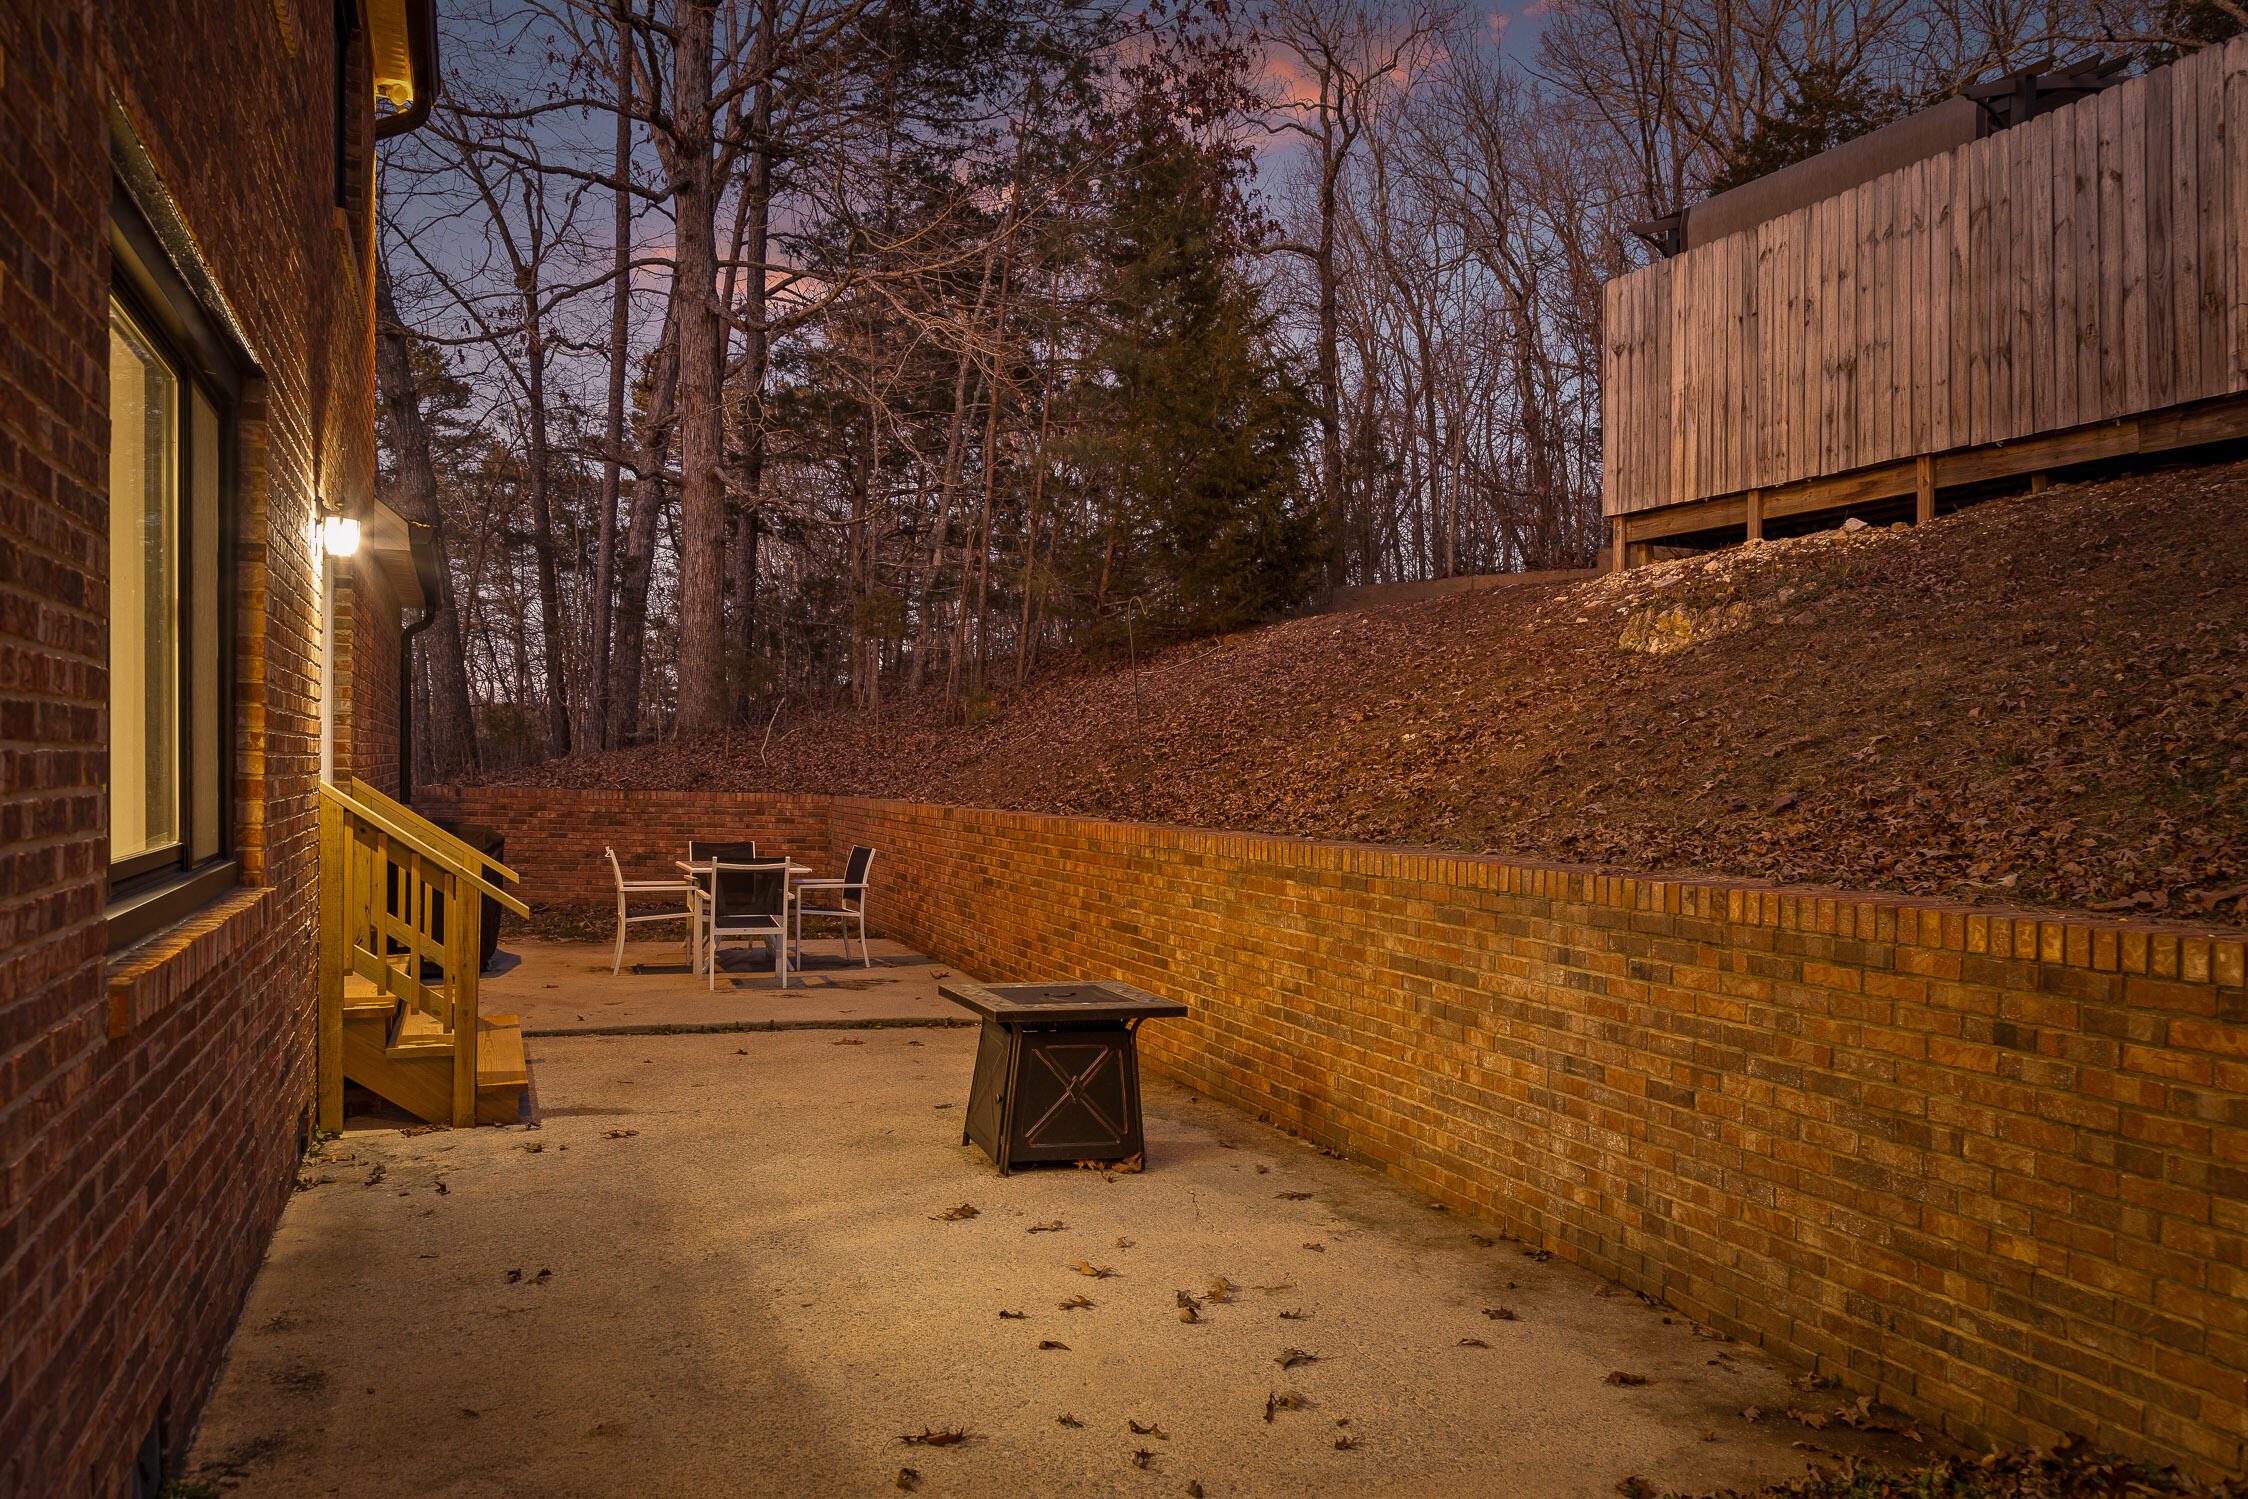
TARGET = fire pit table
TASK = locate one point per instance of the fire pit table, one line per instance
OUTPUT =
(1057, 1070)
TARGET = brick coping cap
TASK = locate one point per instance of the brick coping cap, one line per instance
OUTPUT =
(2081, 940)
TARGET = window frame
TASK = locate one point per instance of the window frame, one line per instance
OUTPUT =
(151, 890)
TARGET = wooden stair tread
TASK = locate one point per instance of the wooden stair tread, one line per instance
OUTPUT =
(500, 1063)
(362, 998)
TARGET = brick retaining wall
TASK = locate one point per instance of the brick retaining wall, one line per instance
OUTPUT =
(1992, 1170)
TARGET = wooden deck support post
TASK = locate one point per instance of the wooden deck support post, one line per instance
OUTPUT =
(1926, 474)
(1622, 551)
(2038, 481)
(1756, 515)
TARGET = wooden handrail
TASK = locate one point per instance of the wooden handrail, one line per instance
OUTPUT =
(424, 845)
(398, 811)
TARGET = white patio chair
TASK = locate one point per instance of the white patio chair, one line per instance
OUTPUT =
(850, 895)
(743, 900)
(629, 890)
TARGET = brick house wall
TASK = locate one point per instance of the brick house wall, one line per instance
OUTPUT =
(1989, 1168)
(153, 1103)
(368, 646)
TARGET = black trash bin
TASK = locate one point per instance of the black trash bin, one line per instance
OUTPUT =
(488, 842)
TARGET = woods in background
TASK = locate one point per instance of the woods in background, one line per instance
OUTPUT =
(749, 352)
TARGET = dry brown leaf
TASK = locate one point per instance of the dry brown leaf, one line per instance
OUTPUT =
(927, 1438)
(908, 1479)
(1076, 1303)
(1054, 1227)
(1292, 1196)
(1618, 1376)
(1098, 1272)
(953, 1215)
(1068, 1420)
(1152, 1429)
(1050, 1343)
(1289, 1358)
(1501, 1314)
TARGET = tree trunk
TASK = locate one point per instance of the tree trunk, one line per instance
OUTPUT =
(542, 535)
(640, 538)
(694, 292)
(450, 726)
(757, 194)
(612, 466)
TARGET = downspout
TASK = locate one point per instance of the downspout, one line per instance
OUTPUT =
(436, 594)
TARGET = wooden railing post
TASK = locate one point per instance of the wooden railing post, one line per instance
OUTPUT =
(464, 917)
(335, 957)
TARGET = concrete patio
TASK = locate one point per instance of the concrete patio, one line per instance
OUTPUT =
(723, 1263)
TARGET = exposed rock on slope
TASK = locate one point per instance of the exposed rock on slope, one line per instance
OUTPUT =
(2038, 700)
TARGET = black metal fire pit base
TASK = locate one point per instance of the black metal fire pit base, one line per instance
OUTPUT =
(1057, 1070)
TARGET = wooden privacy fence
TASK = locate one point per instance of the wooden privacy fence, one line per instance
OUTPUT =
(2086, 266)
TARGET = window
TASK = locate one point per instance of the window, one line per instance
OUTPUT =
(169, 707)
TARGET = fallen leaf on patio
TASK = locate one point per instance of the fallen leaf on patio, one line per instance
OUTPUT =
(1345, 1444)
(1220, 1289)
(1123, 1243)
(1153, 1429)
(1012, 1316)
(1129, 1165)
(467, 1412)
(1098, 1272)
(1292, 1196)
(944, 1105)
(1076, 1303)
(1480, 1242)
(422, 1129)
(1473, 1343)
(542, 1277)
(1050, 1343)
(847, 1042)
(1752, 1414)
(929, 1438)
(1815, 1422)
(1069, 1421)
(620, 1134)
(908, 1479)
(1709, 1436)
(442, 1189)
(913, 1043)
(377, 1174)
(1285, 1400)
(1290, 1357)
(1261, 1170)
(1634, 1488)
(1811, 1381)
(1054, 1227)
(1618, 1376)
(739, 1051)
(533, 1146)
(513, 1276)
(1540, 1255)
(1193, 1489)
(1142, 1458)
(1295, 1316)
(1316, 1248)
(953, 1215)
(1501, 1314)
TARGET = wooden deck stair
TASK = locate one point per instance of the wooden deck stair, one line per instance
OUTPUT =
(401, 924)
(406, 1057)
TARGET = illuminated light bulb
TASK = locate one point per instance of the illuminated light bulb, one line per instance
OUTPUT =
(340, 534)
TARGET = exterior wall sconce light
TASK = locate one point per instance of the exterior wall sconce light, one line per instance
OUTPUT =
(340, 535)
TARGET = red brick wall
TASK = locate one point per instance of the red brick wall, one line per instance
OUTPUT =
(141, 1173)
(368, 643)
(1990, 1169)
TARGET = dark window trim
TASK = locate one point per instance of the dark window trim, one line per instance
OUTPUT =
(348, 32)
(156, 888)
(153, 905)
